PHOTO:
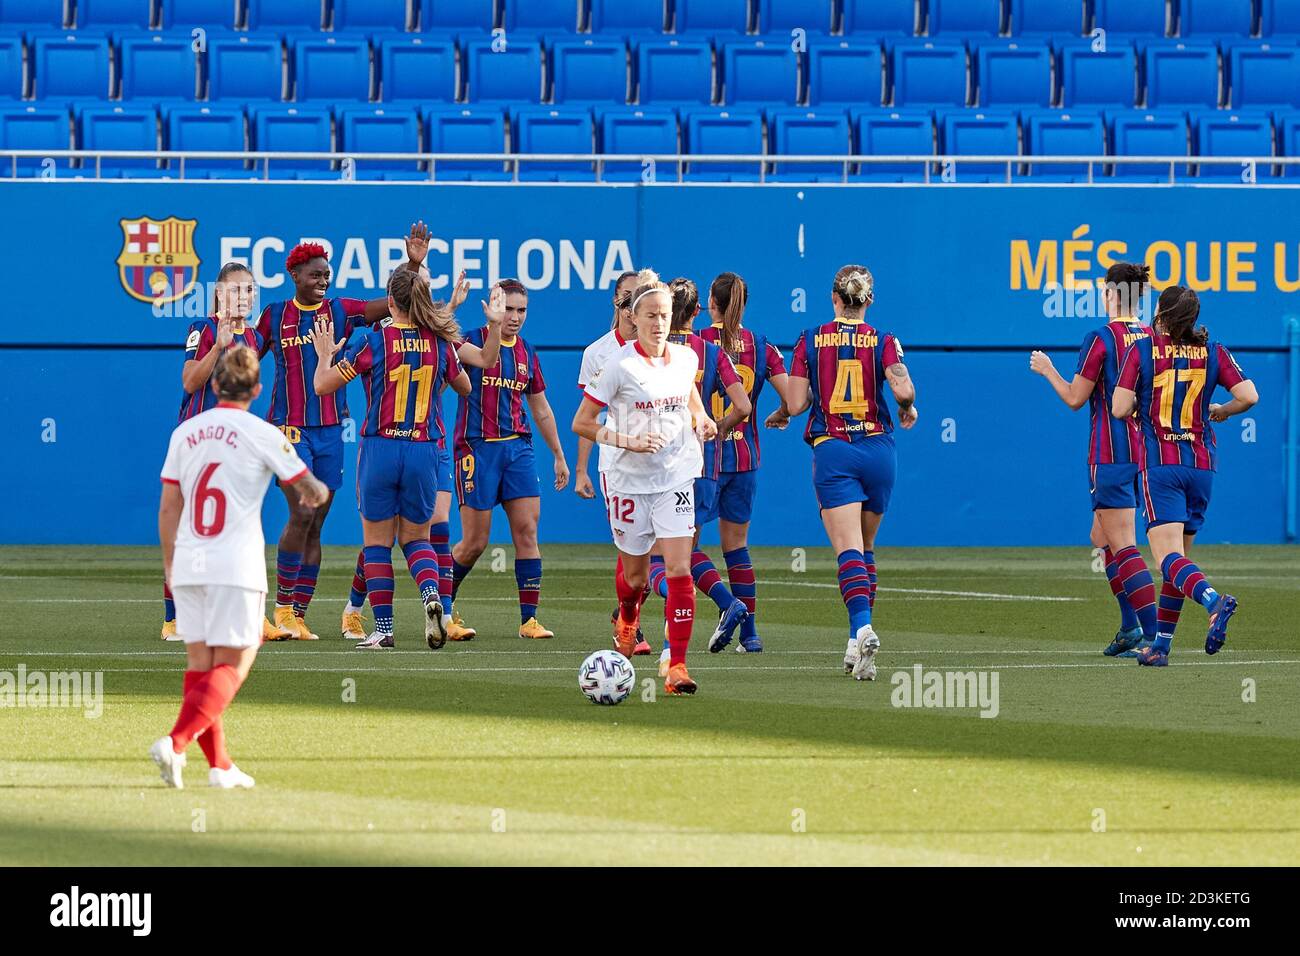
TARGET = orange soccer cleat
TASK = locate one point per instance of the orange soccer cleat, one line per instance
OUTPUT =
(533, 630)
(625, 637)
(678, 681)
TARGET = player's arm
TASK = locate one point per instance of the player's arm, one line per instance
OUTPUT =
(587, 424)
(582, 482)
(494, 310)
(169, 520)
(461, 384)
(329, 378)
(544, 419)
(1123, 402)
(741, 407)
(904, 392)
(1244, 397)
(198, 370)
(311, 490)
(1074, 393)
(705, 427)
(417, 247)
(794, 402)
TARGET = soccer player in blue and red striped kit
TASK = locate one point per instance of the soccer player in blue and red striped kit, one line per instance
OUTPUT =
(1169, 380)
(1115, 452)
(312, 423)
(757, 361)
(495, 463)
(718, 385)
(839, 371)
(405, 365)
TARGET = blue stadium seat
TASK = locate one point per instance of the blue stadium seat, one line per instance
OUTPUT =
(759, 72)
(293, 129)
(209, 14)
(1048, 18)
(815, 17)
(722, 133)
(541, 16)
(23, 14)
(70, 66)
(451, 16)
(282, 15)
(155, 66)
(1146, 18)
(369, 16)
(466, 130)
(980, 133)
(849, 72)
(207, 128)
(675, 71)
(628, 17)
(880, 17)
(33, 127)
(1098, 78)
(1280, 18)
(1230, 133)
(1288, 142)
(332, 69)
(364, 129)
(13, 76)
(545, 129)
(417, 69)
(712, 16)
(1014, 72)
(1264, 74)
(965, 17)
(241, 68)
(929, 73)
(119, 127)
(892, 133)
(638, 131)
(1182, 74)
(1143, 133)
(1064, 133)
(513, 75)
(1215, 18)
(589, 71)
(113, 14)
(809, 133)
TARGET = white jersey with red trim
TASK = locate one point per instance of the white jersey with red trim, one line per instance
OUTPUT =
(223, 460)
(595, 358)
(642, 395)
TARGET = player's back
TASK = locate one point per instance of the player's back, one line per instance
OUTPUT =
(1175, 384)
(1101, 357)
(755, 361)
(404, 369)
(222, 460)
(844, 361)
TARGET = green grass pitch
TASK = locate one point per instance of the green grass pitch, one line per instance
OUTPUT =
(487, 753)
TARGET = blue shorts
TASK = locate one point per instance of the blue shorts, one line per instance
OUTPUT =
(706, 501)
(444, 479)
(395, 478)
(736, 491)
(846, 473)
(492, 472)
(321, 449)
(1113, 486)
(1176, 493)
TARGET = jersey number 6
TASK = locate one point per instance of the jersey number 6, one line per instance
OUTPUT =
(203, 493)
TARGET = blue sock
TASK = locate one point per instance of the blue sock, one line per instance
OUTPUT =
(1163, 642)
(658, 576)
(357, 596)
(528, 576)
(379, 586)
(855, 589)
(740, 572)
(169, 606)
(708, 580)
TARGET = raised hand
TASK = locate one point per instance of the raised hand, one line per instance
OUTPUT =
(494, 309)
(417, 242)
(461, 292)
(323, 339)
(225, 331)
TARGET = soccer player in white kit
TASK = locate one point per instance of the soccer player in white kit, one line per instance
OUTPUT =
(218, 467)
(654, 426)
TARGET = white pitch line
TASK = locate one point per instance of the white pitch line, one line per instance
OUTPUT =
(966, 594)
(478, 651)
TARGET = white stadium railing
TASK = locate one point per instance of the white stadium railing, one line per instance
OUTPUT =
(666, 168)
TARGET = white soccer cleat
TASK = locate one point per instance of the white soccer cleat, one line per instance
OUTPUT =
(851, 656)
(170, 764)
(230, 778)
(435, 627)
(665, 660)
(868, 645)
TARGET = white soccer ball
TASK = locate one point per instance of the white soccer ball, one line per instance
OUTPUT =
(606, 677)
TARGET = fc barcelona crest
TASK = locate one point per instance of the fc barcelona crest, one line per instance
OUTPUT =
(158, 262)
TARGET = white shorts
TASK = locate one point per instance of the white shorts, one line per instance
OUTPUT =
(638, 520)
(219, 615)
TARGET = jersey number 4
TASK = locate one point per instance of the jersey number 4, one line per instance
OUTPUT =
(203, 494)
(850, 398)
(1166, 384)
(401, 377)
